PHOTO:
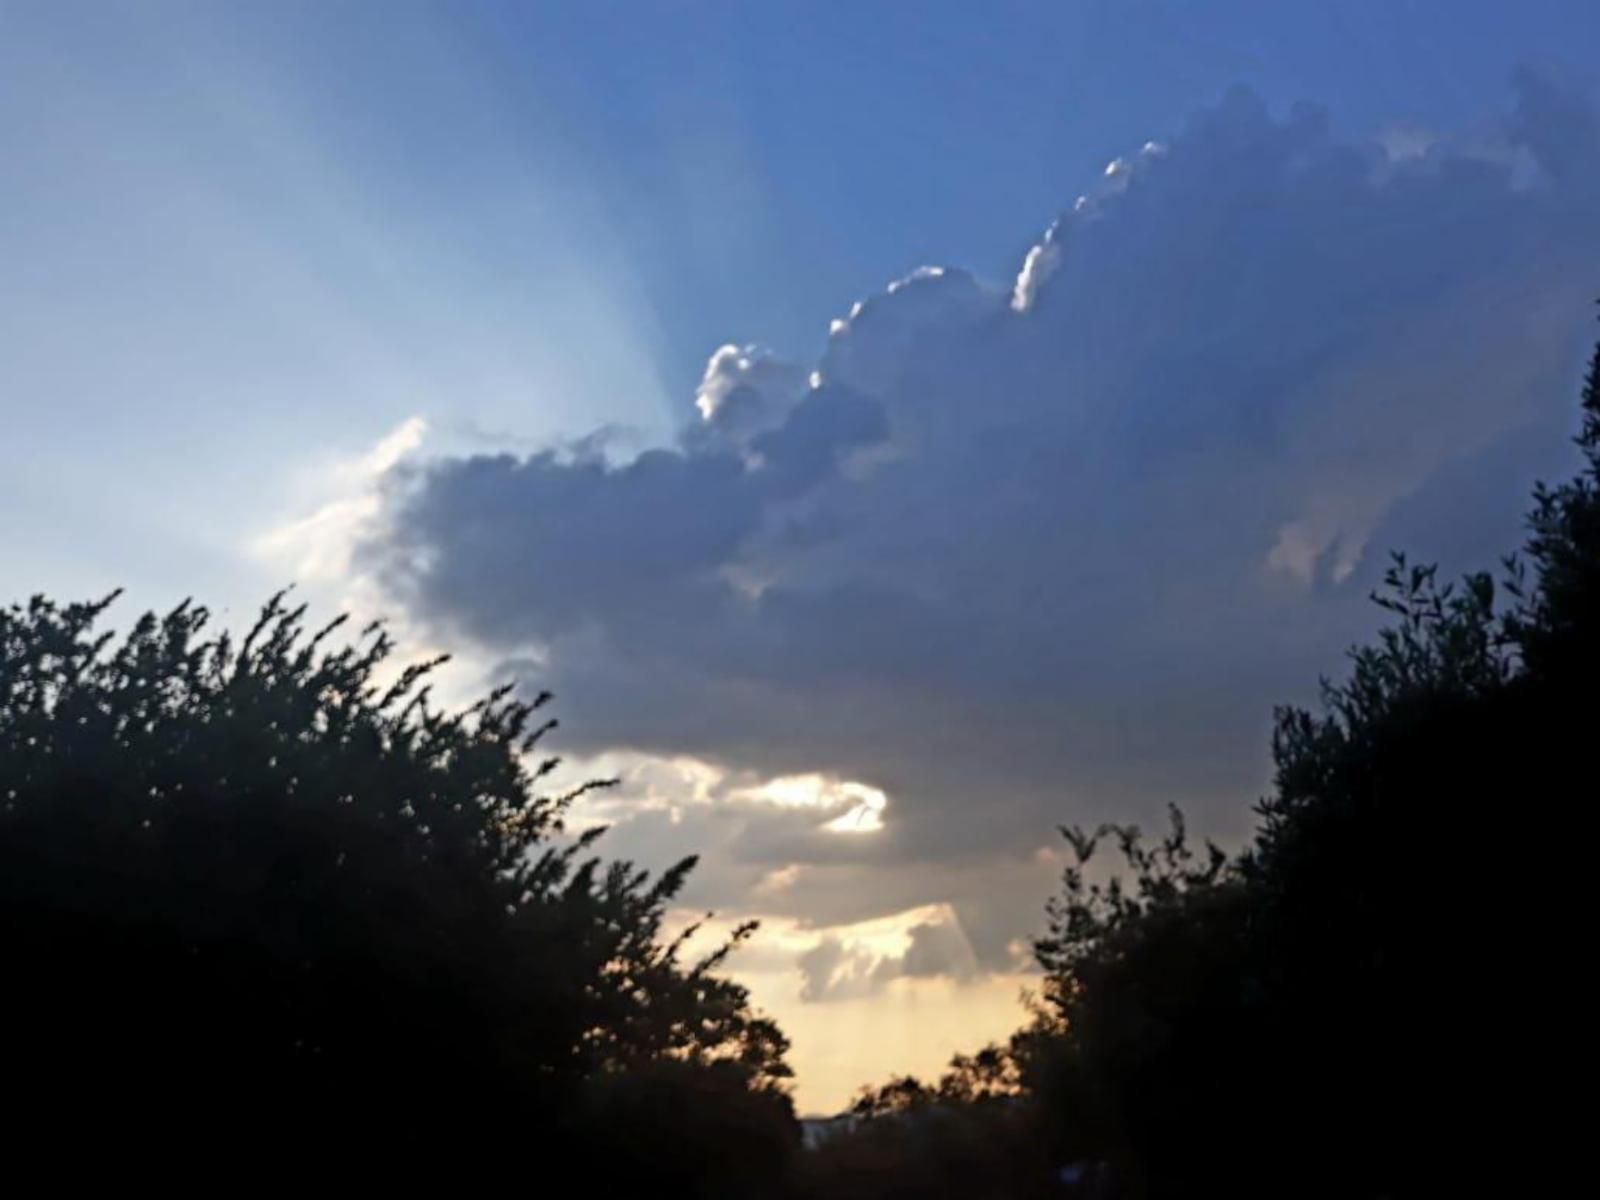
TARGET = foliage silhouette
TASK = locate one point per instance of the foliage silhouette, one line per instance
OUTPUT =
(252, 892)
(1314, 1015)
(1365, 1001)
(252, 896)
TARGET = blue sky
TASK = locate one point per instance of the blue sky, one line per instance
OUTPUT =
(237, 236)
(307, 290)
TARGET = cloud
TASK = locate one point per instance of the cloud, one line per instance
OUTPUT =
(746, 389)
(848, 1026)
(831, 971)
(1047, 549)
(937, 948)
(862, 960)
(317, 548)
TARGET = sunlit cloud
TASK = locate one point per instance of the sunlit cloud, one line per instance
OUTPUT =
(318, 547)
(859, 806)
(872, 999)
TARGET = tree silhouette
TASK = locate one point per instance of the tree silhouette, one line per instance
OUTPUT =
(1369, 999)
(250, 893)
(1366, 992)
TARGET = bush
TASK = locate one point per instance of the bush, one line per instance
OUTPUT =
(249, 894)
(1368, 993)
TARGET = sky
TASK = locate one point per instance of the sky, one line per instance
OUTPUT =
(893, 430)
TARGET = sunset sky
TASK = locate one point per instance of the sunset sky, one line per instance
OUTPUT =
(893, 430)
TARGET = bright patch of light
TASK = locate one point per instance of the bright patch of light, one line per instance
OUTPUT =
(859, 807)
(865, 817)
(919, 274)
(1039, 265)
(317, 548)
(717, 382)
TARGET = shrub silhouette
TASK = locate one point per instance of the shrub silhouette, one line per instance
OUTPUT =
(1367, 994)
(1367, 1001)
(250, 895)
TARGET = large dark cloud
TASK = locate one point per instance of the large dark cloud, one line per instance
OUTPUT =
(1052, 550)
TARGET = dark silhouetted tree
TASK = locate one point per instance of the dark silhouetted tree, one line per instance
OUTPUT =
(262, 892)
(1363, 1002)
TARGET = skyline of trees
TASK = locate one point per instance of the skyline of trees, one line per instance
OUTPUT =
(260, 893)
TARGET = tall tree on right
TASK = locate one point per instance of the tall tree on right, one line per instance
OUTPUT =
(1370, 996)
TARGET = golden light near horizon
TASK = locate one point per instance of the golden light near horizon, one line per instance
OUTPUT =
(861, 1022)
